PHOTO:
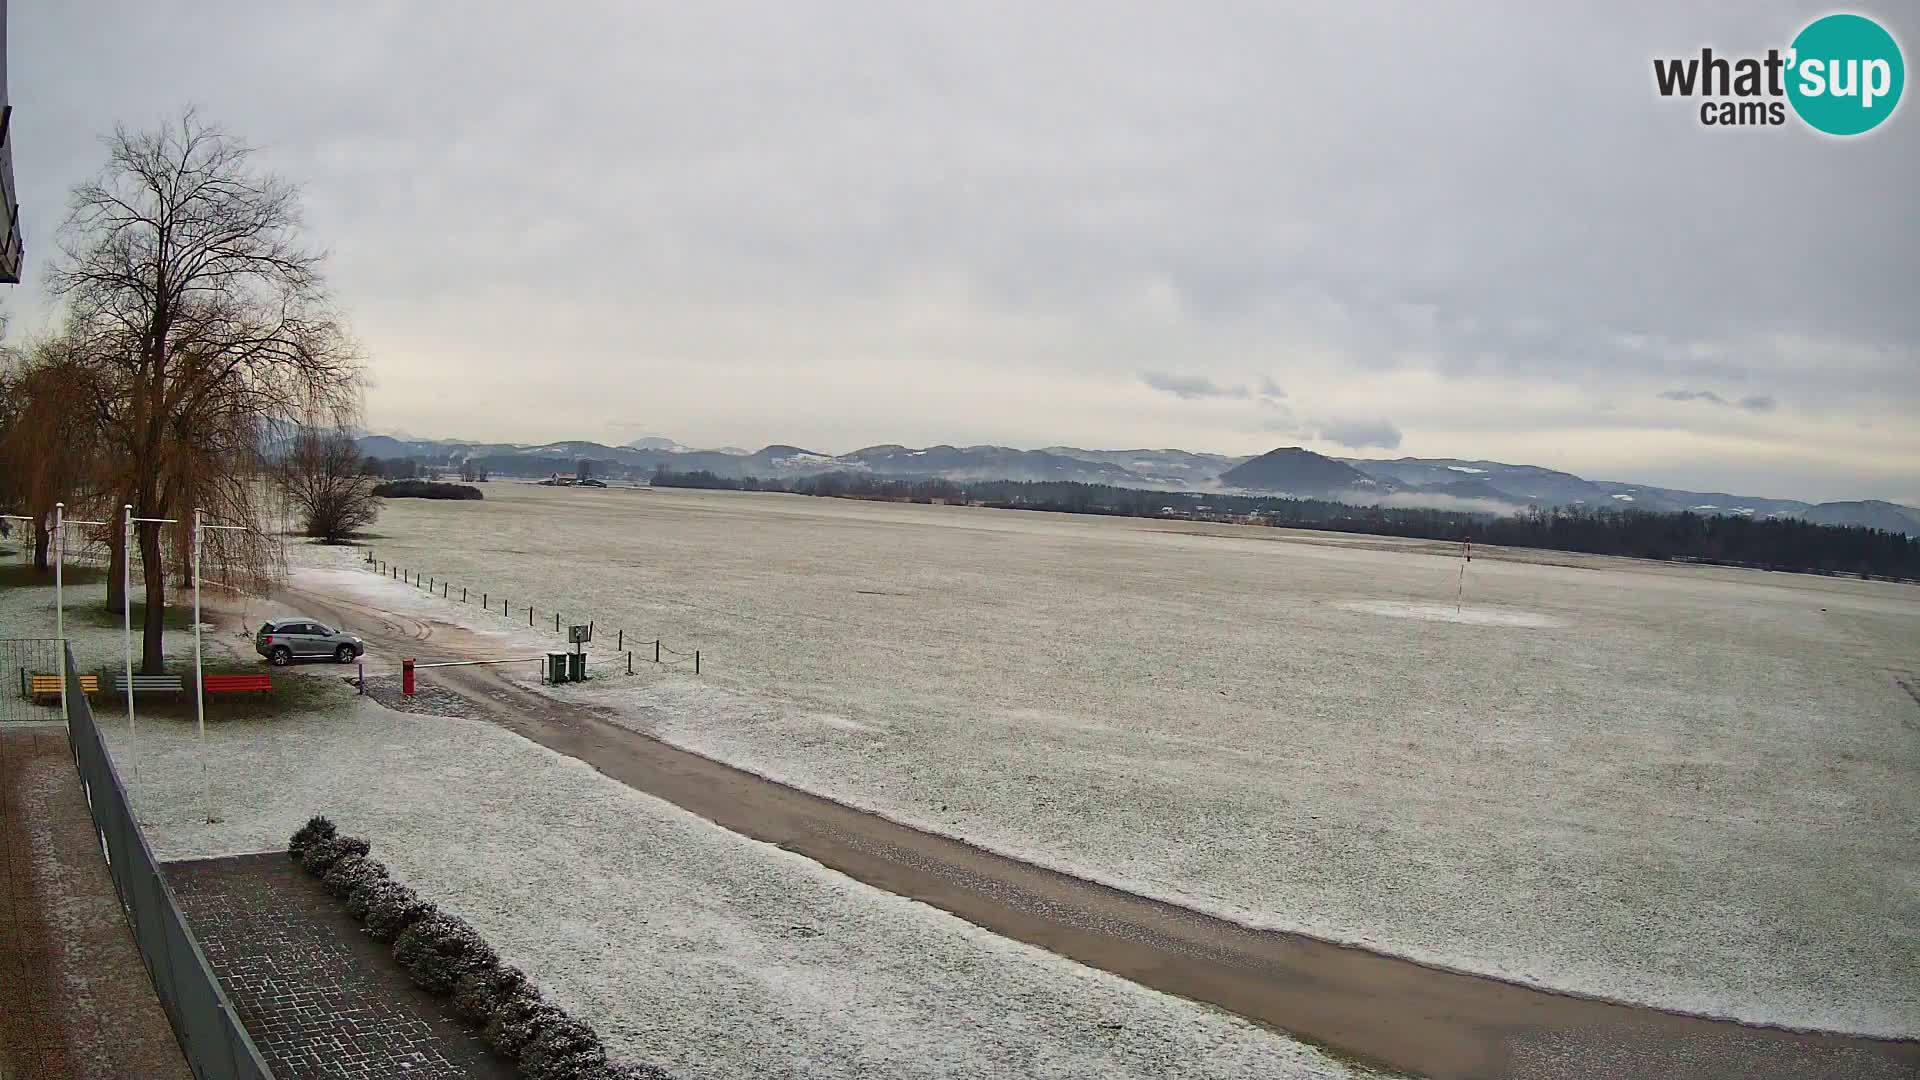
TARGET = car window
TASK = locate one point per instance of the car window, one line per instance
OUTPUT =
(319, 628)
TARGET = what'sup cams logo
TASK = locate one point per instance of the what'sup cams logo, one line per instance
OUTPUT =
(1842, 75)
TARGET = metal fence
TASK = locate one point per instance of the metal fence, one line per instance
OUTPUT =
(20, 660)
(216, 1045)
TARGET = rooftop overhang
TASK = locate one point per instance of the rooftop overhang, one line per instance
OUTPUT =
(11, 249)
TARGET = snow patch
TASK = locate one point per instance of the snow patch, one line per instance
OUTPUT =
(1467, 614)
(1466, 469)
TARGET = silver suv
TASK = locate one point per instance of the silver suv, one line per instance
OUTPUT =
(284, 640)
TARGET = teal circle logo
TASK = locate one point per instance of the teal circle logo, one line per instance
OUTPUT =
(1845, 74)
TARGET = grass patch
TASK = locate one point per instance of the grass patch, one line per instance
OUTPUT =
(20, 575)
(308, 688)
(175, 618)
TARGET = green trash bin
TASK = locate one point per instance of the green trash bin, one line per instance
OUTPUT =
(576, 667)
(556, 667)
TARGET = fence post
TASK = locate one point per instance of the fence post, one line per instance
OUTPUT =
(463, 594)
(529, 616)
(656, 650)
(443, 590)
(619, 640)
(696, 661)
(556, 622)
(629, 663)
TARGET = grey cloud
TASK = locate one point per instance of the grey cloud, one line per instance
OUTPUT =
(1693, 395)
(1271, 389)
(725, 194)
(1362, 433)
(1752, 403)
(1191, 387)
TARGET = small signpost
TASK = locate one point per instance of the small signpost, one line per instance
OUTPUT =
(578, 636)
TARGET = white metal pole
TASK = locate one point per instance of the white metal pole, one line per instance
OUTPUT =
(59, 557)
(59, 601)
(199, 695)
(126, 627)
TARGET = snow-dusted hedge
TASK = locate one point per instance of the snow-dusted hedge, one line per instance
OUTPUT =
(439, 949)
(321, 854)
(445, 955)
(316, 829)
(350, 872)
(390, 908)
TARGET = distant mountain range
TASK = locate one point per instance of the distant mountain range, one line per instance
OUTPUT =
(1450, 483)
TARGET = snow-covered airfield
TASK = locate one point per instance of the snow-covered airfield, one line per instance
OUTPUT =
(1688, 787)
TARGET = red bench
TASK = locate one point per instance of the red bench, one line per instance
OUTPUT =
(235, 684)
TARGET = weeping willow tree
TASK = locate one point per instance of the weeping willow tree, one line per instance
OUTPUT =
(204, 322)
(48, 440)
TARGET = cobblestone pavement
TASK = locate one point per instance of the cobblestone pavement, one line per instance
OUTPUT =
(75, 1000)
(319, 997)
(428, 699)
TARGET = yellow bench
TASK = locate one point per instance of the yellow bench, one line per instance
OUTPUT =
(51, 686)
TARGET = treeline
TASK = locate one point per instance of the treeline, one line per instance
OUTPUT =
(406, 468)
(1768, 543)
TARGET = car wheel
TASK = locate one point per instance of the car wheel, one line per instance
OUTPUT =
(344, 654)
(281, 656)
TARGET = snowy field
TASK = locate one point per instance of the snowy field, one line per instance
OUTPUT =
(719, 957)
(1689, 787)
(683, 944)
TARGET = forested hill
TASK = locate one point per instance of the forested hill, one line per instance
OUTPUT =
(1768, 543)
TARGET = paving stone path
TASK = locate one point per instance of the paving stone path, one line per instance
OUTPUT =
(319, 997)
(75, 999)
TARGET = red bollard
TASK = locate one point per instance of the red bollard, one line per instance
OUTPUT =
(406, 676)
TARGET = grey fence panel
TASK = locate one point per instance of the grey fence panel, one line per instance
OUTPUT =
(216, 1044)
(20, 660)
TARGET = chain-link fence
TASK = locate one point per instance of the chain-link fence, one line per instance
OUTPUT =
(216, 1045)
(29, 679)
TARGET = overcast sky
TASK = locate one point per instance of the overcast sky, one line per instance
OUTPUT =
(1465, 230)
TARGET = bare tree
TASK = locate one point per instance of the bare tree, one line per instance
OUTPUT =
(203, 319)
(323, 478)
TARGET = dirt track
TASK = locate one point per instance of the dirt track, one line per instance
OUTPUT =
(1379, 1010)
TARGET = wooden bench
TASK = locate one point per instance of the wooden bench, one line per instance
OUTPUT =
(52, 686)
(235, 684)
(151, 684)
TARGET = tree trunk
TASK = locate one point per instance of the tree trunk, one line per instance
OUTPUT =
(42, 542)
(153, 657)
(117, 569)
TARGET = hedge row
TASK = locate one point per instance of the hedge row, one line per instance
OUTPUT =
(446, 956)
